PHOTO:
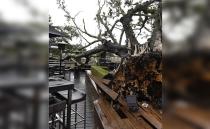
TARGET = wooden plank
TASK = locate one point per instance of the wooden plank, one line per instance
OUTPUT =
(151, 118)
(111, 120)
(135, 118)
(103, 116)
(104, 88)
(105, 81)
(192, 114)
(149, 114)
(92, 82)
(135, 121)
(172, 122)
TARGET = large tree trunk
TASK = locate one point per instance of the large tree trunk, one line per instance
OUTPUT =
(107, 46)
(125, 20)
(155, 43)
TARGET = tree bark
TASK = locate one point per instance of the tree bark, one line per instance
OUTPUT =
(127, 19)
(107, 46)
(155, 42)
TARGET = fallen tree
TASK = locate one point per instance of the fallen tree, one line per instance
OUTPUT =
(140, 76)
(107, 46)
(118, 19)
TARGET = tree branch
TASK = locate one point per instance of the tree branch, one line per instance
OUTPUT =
(107, 46)
(85, 31)
(107, 28)
(109, 31)
(121, 35)
(146, 15)
(144, 22)
(89, 44)
(114, 25)
(127, 18)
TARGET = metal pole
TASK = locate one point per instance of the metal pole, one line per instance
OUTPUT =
(60, 59)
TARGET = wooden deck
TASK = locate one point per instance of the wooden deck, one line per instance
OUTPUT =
(80, 83)
(99, 110)
(109, 118)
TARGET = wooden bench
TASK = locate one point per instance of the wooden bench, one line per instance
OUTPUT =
(110, 119)
(113, 95)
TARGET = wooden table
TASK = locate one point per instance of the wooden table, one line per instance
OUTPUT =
(57, 84)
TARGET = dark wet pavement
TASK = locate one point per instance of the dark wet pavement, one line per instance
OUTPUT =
(79, 79)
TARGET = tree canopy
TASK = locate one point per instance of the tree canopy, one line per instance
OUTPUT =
(133, 23)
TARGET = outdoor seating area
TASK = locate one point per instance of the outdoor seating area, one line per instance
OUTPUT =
(104, 64)
(101, 88)
(64, 97)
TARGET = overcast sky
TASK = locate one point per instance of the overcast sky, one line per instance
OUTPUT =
(19, 11)
(22, 12)
(86, 8)
(15, 11)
